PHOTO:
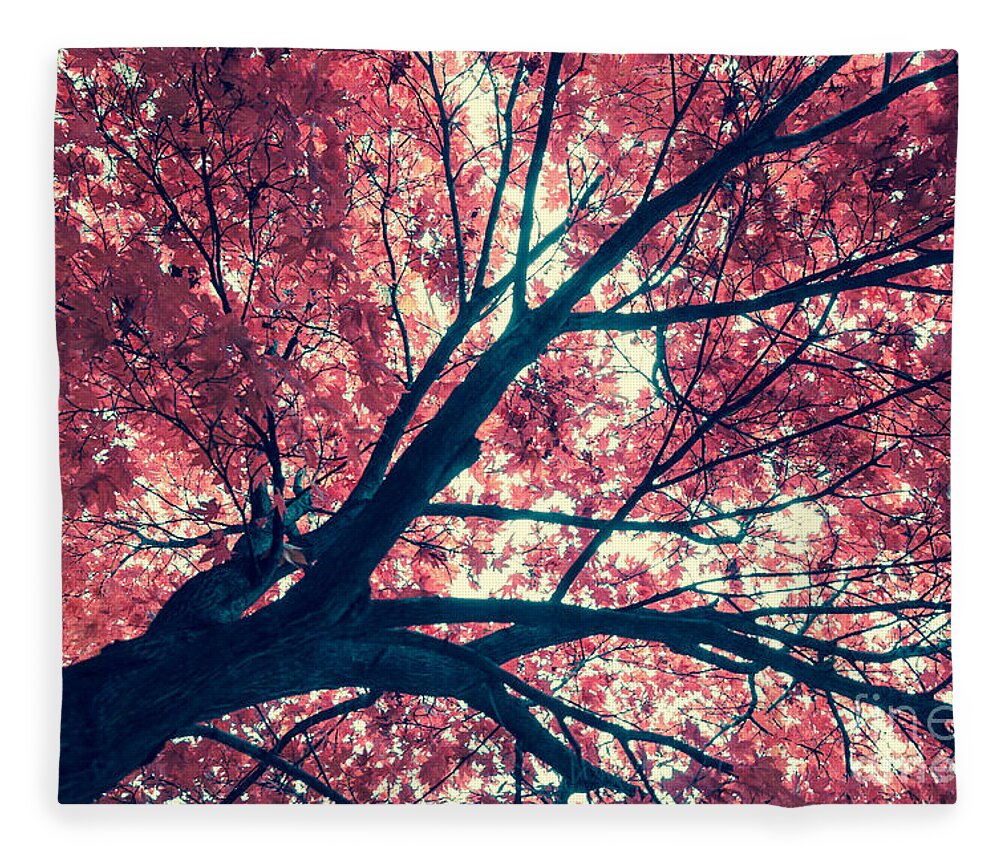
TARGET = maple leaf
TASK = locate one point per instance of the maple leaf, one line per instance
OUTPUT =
(293, 555)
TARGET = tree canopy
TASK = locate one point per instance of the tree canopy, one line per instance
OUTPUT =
(504, 427)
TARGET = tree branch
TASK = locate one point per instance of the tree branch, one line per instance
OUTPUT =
(266, 757)
(789, 295)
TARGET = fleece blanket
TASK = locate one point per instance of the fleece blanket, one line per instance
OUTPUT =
(504, 428)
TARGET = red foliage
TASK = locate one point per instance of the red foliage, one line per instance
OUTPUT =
(696, 312)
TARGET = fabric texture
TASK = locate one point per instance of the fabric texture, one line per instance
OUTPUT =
(505, 428)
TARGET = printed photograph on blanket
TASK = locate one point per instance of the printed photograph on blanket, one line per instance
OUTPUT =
(504, 428)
